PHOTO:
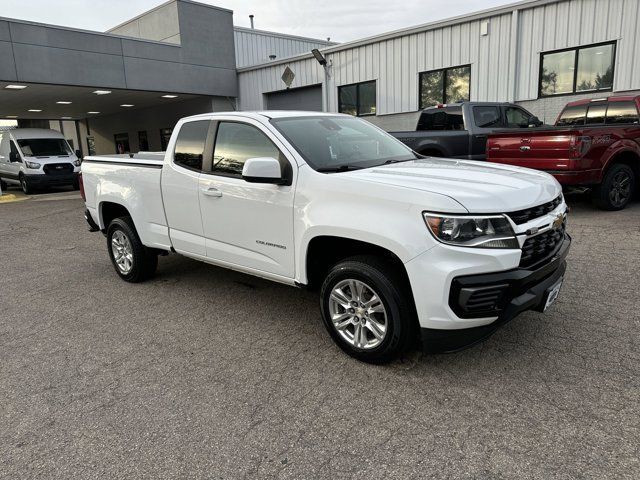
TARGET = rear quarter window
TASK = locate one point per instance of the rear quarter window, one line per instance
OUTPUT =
(572, 115)
(622, 113)
(449, 118)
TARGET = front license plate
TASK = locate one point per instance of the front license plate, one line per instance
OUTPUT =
(552, 294)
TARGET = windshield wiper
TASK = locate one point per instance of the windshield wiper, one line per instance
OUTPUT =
(341, 168)
(388, 162)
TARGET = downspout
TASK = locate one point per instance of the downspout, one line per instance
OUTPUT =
(514, 63)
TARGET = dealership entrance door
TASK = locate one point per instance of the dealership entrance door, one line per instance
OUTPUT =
(305, 98)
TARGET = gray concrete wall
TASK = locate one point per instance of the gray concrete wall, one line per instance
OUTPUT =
(150, 119)
(160, 24)
(395, 123)
(203, 64)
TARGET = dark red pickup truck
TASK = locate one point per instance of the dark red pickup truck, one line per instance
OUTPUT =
(594, 143)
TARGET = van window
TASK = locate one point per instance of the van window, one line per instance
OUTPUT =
(44, 147)
(572, 115)
(189, 150)
(622, 112)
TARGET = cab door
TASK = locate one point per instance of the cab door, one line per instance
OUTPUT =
(180, 186)
(249, 225)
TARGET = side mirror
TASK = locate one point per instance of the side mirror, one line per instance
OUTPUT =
(262, 170)
(534, 121)
(78, 154)
(14, 157)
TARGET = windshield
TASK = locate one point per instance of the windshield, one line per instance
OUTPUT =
(44, 147)
(341, 143)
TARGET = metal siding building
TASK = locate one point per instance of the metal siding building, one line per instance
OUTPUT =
(254, 46)
(505, 60)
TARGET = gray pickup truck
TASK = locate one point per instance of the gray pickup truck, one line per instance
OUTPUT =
(460, 130)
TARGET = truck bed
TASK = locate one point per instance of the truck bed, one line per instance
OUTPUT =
(131, 180)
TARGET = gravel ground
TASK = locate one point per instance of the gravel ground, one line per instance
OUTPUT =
(207, 373)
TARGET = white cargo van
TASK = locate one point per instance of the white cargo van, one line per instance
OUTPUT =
(36, 158)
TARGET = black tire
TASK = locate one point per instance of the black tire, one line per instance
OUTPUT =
(26, 188)
(384, 278)
(76, 185)
(144, 260)
(3, 185)
(616, 189)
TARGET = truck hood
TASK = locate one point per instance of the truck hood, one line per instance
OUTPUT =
(479, 187)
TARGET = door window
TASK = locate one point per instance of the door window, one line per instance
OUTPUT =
(190, 145)
(14, 151)
(237, 142)
(516, 117)
(596, 113)
(487, 117)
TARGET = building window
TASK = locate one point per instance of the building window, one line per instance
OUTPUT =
(143, 141)
(358, 99)
(122, 143)
(165, 136)
(576, 70)
(449, 85)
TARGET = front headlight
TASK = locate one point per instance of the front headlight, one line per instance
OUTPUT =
(77, 163)
(466, 231)
(33, 165)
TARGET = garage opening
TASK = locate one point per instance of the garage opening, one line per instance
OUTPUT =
(303, 98)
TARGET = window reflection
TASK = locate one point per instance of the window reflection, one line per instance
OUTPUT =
(582, 69)
(237, 142)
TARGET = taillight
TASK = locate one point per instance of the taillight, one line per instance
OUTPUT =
(81, 184)
(579, 145)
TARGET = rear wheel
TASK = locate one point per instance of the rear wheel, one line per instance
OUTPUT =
(616, 189)
(366, 308)
(131, 259)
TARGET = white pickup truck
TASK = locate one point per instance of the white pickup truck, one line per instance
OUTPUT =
(403, 248)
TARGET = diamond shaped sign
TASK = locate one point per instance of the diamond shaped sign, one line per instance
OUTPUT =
(288, 76)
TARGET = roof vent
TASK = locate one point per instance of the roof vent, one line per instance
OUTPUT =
(251, 20)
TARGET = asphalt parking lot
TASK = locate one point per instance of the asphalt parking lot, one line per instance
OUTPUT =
(207, 373)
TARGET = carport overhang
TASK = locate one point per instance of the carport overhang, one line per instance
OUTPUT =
(38, 101)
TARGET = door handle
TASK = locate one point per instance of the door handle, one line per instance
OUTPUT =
(211, 192)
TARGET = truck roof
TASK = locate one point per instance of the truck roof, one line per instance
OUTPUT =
(460, 104)
(613, 98)
(25, 133)
(256, 114)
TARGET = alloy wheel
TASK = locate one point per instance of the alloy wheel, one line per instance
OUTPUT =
(358, 314)
(122, 252)
(620, 191)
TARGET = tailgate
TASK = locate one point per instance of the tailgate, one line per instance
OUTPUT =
(540, 149)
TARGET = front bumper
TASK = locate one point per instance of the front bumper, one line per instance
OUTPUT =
(505, 294)
(51, 180)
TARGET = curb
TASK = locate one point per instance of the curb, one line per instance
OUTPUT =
(10, 197)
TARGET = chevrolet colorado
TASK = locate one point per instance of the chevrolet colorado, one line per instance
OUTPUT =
(402, 247)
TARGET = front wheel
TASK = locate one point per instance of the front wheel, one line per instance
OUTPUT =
(616, 189)
(366, 308)
(26, 188)
(132, 261)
